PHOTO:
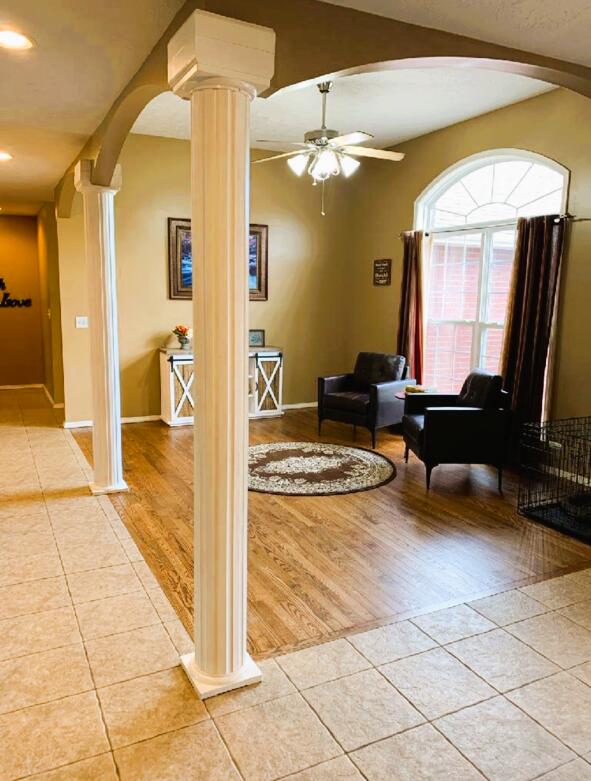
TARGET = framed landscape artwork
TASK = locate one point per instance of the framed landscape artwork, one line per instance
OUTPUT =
(180, 260)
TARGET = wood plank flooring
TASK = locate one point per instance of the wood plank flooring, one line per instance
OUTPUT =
(321, 567)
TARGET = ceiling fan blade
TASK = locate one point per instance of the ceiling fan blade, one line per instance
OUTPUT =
(357, 137)
(364, 151)
(278, 141)
(277, 157)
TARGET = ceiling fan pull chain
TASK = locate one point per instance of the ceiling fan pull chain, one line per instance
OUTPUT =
(322, 212)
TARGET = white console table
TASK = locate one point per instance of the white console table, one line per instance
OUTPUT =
(265, 384)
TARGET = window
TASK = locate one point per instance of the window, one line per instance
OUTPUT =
(470, 216)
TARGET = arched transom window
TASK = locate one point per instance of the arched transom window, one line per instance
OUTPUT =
(470, 216)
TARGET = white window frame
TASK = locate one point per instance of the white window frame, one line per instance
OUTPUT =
(424, 214)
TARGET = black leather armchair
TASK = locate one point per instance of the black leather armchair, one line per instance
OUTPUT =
(471, 427)
(367, 396)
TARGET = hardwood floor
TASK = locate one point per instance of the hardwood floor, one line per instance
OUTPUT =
(320, 567)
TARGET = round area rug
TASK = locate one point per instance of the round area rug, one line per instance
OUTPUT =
(315, 469)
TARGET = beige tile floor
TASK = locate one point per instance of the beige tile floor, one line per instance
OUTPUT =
(91, 688)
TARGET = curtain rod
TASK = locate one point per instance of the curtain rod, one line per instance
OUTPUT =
(570, 217)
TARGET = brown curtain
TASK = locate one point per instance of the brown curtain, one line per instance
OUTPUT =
(410, 324)
(532, 301)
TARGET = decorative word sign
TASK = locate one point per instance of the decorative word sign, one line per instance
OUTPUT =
(7, 301)
(382, 272)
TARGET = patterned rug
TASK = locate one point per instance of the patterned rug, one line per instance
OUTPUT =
(315, 469)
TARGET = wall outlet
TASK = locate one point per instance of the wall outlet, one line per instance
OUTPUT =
(81, 321)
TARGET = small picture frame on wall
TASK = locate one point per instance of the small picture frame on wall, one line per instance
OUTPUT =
(256, 337)
(382, 272)
(180, 260)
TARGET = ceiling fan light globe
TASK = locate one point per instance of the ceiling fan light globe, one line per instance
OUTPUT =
(298, 164)
(324, 165)
(348, 165)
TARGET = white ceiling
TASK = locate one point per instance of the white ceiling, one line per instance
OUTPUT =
(555, 29)
(54, 96)
(391, 105)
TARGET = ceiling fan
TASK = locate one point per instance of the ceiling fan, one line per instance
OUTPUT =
(325, 153)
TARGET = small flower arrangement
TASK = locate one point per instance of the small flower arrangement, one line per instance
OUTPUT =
(184, 334)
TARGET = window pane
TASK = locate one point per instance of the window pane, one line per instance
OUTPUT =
(456, 199)
(539, 180)
(491, 212)
(448, 355)
(507, 176)
(498, 279)
(490, 349)
(479, 184)
(454, 276)
(548, 204)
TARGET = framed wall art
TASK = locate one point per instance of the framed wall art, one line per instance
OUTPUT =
(180, 260)
(256, 337)
(382, 272)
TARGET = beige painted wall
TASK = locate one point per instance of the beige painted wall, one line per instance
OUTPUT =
(21, 341)
(50, 302)
(556, 124)
(306, 307)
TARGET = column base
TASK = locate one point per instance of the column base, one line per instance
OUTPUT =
(208, 686)
(98, 490)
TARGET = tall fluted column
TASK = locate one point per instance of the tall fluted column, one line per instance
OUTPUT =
(219, 64)
(99, 235)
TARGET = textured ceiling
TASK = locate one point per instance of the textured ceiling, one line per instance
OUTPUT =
(555, 29)
(391, 105)
(54, 96)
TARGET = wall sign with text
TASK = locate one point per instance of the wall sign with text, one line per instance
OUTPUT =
(8, 302)
(382, 272)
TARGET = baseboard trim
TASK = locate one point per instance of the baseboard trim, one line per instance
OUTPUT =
(302, 405)
(22, 387)
(50, 399)
(88, 423)
(141, 419)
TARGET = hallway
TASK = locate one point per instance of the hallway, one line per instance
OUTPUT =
(91, 687)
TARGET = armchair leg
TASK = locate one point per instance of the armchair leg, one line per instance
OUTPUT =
(406, 451)
(428, 469)
(319, 426)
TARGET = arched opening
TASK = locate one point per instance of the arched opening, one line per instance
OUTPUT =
(469, 215)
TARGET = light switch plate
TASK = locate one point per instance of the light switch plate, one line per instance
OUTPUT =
(81, 321)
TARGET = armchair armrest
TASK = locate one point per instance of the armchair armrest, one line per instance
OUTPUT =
(416, 403)
(385, 408)
(334, 384)
(385, 390)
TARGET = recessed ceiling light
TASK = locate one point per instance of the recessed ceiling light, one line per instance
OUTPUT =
(5, 156)
(11, 39)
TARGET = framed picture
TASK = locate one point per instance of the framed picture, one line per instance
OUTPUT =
(382, 272)
(180, 260)
(258, 262)
(256, 337)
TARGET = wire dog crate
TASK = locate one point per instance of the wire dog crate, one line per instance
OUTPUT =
(555, 480)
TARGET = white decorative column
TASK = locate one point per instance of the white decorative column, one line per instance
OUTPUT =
(99, 235)
(220, 64)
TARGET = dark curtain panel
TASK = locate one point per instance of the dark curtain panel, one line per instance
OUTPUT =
(536, 273)
(410, 324)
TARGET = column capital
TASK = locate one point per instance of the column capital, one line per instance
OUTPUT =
(83, 178)
(210, 47)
